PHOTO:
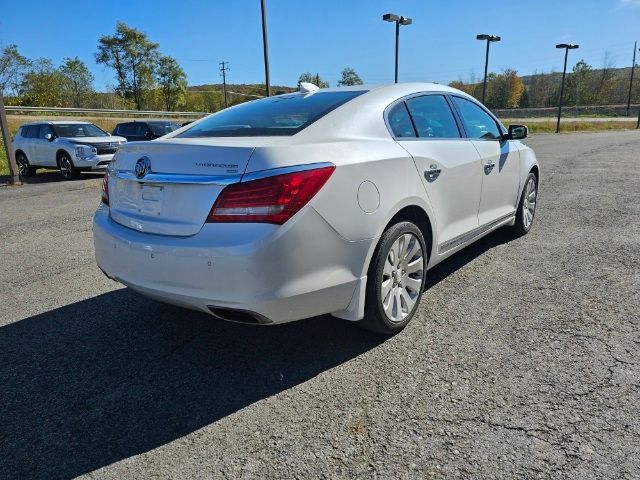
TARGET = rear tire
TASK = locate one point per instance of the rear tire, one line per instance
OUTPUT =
(527, 206)
(395, 279)
(24, 168)
(67, 168)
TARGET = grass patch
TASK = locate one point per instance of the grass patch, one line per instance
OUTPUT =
(579, 126)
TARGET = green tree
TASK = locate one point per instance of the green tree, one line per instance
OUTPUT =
(580, 85)
(133, 57)
(44, 85)
(172, 82)
(349, 77)
(79, 80)
(315, 79)
(13, 67)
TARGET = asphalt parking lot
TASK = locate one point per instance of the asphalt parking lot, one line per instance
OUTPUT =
(523, 361)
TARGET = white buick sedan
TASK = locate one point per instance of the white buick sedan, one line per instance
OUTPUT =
(322, 201)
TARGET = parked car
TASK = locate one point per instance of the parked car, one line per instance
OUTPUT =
(145, 130)
(69, 146)
(331, 201)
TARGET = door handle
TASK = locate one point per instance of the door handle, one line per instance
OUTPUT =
(432, 173)
(488, 167)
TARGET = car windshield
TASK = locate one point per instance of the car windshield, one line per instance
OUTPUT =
(73, 130)
(162, 128)
(273, 116)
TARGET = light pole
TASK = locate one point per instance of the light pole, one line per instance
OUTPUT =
(399, 20)
(489, 39)
(265, 47)
(567, 47)
(633, 67)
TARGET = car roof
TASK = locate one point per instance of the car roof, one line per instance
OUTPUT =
(57, 122)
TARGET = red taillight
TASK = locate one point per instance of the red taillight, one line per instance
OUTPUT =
(105, 189)
(269, 200)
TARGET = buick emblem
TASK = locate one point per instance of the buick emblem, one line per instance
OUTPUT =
(143, 166)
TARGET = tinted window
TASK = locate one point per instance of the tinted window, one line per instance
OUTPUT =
(163, 128)
(127, 129)
(433, 117)
(281, 115)
(141, 129)
(44, 129)
(79, 130)
(31, 131)
(477, 122)
(400, 122)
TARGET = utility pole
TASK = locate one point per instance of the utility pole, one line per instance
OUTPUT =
(8, 146)
(265, 47)
(633, 67)
(223, 71)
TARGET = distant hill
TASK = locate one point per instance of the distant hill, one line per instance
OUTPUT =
(256, 89)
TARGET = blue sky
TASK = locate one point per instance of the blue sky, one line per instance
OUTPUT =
(326, 36)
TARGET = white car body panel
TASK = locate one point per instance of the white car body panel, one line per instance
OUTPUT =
(155, 239)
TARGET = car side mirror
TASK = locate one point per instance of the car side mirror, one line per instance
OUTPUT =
(518, 132)
(49, 136)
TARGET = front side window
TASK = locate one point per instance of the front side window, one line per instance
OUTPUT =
(400, 122)
(433, 117)
(44, 129)
(273, 116)
(75, 130)
(478, 123)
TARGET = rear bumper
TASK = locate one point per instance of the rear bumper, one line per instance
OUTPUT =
(281, 273)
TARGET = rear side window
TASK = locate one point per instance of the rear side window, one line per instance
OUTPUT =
(128, 129)
(400, 122)
(273, 116)
(433, 117)
(30, 131)
(478, 123)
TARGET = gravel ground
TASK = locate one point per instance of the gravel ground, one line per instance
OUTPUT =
(522, 362)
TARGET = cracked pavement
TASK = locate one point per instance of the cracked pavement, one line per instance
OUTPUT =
(521, 363)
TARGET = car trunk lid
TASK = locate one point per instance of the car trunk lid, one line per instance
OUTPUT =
(168, 187)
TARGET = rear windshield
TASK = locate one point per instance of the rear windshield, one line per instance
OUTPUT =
(273, 116)
(162, 128)
(78, 130)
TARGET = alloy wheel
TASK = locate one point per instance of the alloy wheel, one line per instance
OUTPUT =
(66, 167)
(23, 165)
(402, 277)
(529, 203)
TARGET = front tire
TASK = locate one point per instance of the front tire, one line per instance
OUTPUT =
(67, 168)
(395, 280)
(24, 167)
(527, 206)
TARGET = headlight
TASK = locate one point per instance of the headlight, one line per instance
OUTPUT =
(85, 151)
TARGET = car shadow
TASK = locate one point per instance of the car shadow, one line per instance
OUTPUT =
(54, 176)
(466, 255)
(109, 377)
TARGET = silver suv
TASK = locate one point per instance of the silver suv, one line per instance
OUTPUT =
(69, 146)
